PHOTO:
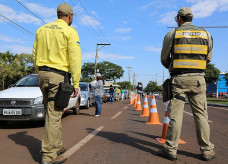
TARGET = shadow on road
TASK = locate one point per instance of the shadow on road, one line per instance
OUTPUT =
(182, 152)
(22, 124)
(128, 140)
(32, 144)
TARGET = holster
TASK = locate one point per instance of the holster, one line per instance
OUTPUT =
(167, 90)
(64, 92)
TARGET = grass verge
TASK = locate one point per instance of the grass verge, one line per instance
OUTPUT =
(217, 101)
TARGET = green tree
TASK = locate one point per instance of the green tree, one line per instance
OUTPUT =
(124, 85)
(211, 74)
(153, 87)
(226, 78)
(14, 67)
(110, 71)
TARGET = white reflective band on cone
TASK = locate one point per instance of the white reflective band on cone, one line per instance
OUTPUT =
(146, 106)
(153, 110)
(166, 120)
(153, 102)
(138, 102)
(145, 100)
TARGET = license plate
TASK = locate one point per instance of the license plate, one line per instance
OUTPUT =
(11, 111)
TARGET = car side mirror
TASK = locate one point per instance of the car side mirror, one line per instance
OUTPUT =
(11, 85)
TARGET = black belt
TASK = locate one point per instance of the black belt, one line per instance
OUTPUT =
(175, 73)
(49, 69)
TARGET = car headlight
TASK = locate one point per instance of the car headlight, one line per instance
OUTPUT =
(83, 95)
(38, 100)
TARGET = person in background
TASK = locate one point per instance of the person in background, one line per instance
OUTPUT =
(98, 86)
(56, 52)
(111, 91)
(118, 93)
(122, 93)
(139, 89)
(186, 51)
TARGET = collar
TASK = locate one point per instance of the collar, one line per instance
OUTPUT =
(187, 24)
(61, 21)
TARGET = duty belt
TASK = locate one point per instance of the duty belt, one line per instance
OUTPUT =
(49, 69)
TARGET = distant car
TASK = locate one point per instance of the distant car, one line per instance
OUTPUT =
(156, 94)
(107, 93)
(226, 96)
(212, 94)
(24, 101)
(103, 98)
(87, 95)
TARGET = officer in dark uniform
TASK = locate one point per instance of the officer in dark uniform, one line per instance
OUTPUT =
(186, 51)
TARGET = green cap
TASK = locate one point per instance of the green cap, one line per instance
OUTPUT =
(185, 11)
(64, 10)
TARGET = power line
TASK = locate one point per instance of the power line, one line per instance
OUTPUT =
(30, 11)
(17, 25)
(207, 27)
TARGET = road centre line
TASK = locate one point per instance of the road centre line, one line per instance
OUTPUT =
(116, 115)
(125, 107)
(192, 115)
(73, 149)
(219, 108)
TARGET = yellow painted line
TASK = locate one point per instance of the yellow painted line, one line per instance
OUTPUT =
(72, 150)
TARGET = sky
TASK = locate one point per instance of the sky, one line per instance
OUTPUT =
(134, 28)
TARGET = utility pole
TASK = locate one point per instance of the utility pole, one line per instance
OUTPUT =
(101, 44)
(133, 81)
(156, 78)
(129, 74)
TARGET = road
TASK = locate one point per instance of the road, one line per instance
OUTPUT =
(120, 136)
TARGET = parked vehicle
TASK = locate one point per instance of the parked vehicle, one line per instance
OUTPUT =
(156, 94)
(103, 98)
(24, 101)
(87, 95)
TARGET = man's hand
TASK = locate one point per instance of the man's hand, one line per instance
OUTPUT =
(75, 93)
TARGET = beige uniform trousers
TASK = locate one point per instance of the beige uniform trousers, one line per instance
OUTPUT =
(193, 86)
(52, 136)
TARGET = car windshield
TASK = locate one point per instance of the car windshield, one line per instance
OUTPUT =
(28, 81)
(83, 87)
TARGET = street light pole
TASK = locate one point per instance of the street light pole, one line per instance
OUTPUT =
(101, 44)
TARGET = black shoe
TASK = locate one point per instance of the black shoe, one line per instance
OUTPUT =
(208, 157)
(166, 155)
(58, 160)
(62, 150)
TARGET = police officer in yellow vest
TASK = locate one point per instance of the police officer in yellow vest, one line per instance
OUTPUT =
(186, 51)
(56, 51)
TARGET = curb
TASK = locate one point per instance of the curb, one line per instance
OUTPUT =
(213, 104)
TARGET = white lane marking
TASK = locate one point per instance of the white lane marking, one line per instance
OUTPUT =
(125, 107)
(218, 108)
(192, 115)
(72, 150)
(116, 115)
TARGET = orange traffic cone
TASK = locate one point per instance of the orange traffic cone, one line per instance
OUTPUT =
(131, 100)
(153, 117)
(138, 105)
(145, 111)
(135, 101)
(165, 127)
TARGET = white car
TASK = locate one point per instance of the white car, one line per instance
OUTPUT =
(156, 94)
(24, 101)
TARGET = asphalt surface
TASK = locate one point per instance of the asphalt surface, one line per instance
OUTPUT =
(120, 136)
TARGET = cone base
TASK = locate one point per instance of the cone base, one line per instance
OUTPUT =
(137, 109)
(152, 123)
(144, 115)
(181, 142)
(160, 140)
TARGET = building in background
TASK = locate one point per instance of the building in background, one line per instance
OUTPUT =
(220, 84)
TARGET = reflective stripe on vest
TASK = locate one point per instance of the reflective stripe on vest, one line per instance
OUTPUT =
(186, 63)
(191, 34)
(190, 49)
